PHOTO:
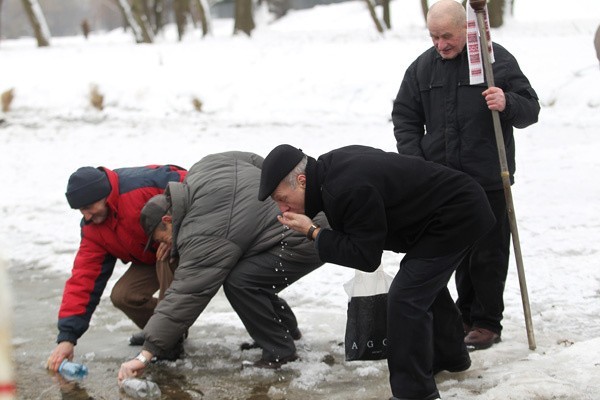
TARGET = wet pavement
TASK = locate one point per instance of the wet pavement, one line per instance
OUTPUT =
(211, 368)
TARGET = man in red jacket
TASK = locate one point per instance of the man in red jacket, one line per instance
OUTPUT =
(111, 202)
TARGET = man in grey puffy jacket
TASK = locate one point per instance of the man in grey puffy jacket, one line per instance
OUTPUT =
(223, 235)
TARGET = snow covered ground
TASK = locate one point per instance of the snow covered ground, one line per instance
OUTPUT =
(318, 79)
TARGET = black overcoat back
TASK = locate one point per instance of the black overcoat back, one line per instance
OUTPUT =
(375, 201)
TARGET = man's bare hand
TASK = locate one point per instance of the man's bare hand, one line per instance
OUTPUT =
(298, 222)
(163, 252)
(495, 99)
(131, 368)
(61, 351)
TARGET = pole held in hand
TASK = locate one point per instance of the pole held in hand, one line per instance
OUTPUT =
(480, 11)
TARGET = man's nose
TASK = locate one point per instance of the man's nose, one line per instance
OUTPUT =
(87, 215)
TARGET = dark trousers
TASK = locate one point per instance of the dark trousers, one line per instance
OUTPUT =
(134, 291)
(424, 325)
(481, 277)
(252, 288)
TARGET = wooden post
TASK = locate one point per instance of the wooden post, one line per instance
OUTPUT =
(479, 7)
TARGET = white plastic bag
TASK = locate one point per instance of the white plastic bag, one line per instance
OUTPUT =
(368, 283)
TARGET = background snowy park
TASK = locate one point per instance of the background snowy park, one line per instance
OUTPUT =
(318, 79)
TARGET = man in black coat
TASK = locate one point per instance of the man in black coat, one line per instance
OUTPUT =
(377, 201)
(440, 116)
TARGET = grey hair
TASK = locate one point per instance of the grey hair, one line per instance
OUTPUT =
(299, 169)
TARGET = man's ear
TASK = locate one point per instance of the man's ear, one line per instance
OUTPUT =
(302, 180)
(167, 219)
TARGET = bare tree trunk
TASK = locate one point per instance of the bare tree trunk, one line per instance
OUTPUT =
(244, 18)
(147, 11)
(157, 10)
(85, 28)
(496, 13)
(204, 14)
(139, 13)
(386, 13)
(278, 7)
(374, 17)
(181, 10)
(425, 9)
(38, 22)
(128, 17)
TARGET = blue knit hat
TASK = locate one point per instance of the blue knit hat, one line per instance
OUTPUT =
(87, 185)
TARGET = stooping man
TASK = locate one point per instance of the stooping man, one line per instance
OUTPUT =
(223, 235)
(376, 201)
(439, 116)
(111, 202)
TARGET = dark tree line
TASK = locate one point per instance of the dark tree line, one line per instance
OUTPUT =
(144, 18)
(147, 18)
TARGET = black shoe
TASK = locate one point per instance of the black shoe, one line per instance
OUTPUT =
(395, 398)
(249, 346)
(276, 364)
(295, 334)
(460, 366)
(137, 339)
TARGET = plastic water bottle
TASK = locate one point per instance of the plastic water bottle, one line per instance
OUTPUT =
(140, 388)
(71, 370)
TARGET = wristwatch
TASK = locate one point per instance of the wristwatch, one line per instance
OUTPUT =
(144, 360)
(311, 230)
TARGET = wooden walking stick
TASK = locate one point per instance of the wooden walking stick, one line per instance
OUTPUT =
(480, 11)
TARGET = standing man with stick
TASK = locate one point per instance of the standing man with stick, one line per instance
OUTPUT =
(440, 116)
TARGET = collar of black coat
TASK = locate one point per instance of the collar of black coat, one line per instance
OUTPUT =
(313, 202)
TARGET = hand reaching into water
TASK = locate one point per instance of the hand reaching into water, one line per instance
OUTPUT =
(61, 351)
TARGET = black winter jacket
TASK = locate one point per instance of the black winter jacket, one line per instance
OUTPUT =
(377, 201)
(440, 116)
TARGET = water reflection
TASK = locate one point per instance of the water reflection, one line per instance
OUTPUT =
(70, 390)
(174, 385)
